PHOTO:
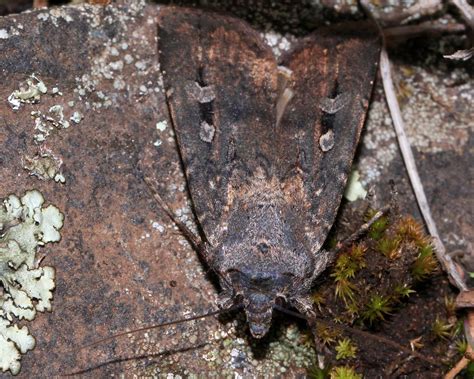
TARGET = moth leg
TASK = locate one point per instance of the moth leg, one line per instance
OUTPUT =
(225, 299)
(362, 230)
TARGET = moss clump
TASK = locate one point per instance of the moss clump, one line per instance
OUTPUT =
(377, 308)
(345, 349)
(442, 329)
(337, 372)
(346, 267)
(371, 279)
(344, 372)
(378, 228)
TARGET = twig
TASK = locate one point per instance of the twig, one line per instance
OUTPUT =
(424, 28)
(362, 230)
(466, 10)
(461, 365)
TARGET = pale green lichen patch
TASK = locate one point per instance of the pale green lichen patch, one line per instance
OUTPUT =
(45, 166)
(354, 188)
(29, 92)
(25, 225)
(46, 119)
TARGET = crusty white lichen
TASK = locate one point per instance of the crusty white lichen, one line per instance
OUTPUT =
(25, 288)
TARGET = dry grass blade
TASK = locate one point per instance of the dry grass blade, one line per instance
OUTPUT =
(466, 10)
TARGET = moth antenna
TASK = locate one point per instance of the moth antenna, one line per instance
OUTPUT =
(150, 327)
(134, 357)
(289, 312)
(196, 241)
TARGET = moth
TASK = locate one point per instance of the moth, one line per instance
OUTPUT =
(267, 147)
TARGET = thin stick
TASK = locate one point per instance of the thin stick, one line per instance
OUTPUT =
(428, 28)
(461, 365)
(467, 12)
(362, 230)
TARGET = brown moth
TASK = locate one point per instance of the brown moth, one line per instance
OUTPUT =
(267, 147)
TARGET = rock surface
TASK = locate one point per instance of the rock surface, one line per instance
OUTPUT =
(121, 264)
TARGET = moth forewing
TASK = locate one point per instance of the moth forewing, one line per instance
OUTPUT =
(266, 163)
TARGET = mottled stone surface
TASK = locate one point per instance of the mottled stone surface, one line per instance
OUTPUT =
(121, 263)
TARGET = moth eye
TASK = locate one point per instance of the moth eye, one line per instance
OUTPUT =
(263, 247)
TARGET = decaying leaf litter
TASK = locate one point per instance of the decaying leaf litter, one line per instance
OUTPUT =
(426, 148)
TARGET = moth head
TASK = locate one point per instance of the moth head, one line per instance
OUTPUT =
(258, 292)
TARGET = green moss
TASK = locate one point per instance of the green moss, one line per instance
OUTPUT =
(314, 372)
(378, 228)
(389, 246)
(345, 349)
(347, 265)
(344, 372)
(373, 278)
(458, 328)
(461, 346)
(377, 308)
(318, 299)
(425, 263)
(327, 335)
(441, 329)
(401, 291)
(345, 290)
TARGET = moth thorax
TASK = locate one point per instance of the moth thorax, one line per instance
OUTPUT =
(259, 308)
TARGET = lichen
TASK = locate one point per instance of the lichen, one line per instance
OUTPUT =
(354, 188)
(47, 119)
(28, 93)
(44, 165)
(25, 225)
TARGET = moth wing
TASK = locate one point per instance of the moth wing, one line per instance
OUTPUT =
(221, 81)
(332, 74)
